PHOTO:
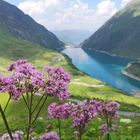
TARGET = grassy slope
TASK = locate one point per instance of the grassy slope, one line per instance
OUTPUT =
(12, 48)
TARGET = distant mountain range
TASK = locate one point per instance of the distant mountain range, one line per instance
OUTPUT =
(120, 35)
(14, 23)
(73, 37)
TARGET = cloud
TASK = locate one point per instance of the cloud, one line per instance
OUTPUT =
(69, 14)
(124, 2)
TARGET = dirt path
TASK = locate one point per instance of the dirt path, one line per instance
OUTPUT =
(129, 114)
(87, 85)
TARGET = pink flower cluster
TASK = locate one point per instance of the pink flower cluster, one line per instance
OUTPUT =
(27, 78)
(56, 111)
(8, 84)
(105, 129)
(50, 136)
(58, 82)
(83, 112)
(16, 136)
(3, 83)
(108, 109)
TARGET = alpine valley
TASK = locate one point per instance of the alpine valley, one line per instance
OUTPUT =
(99, 75)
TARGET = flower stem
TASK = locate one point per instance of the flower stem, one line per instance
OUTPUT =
(38, 104)
(7, 104)
(6, 123)
(80, 133)
(25, 101)
(30, 117)
(59, 127)
(39, 110)
(108, 135)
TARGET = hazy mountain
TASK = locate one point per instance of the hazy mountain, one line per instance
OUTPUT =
(120, 35)
(23, 26)
(74, 37)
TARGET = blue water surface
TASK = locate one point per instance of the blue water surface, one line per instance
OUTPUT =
(104, 67)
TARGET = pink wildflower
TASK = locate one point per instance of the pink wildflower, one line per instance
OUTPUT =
(50, 136)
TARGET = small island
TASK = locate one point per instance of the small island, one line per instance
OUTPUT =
(133, 70)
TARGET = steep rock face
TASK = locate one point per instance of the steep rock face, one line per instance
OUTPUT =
(120, 35)
(23, 26)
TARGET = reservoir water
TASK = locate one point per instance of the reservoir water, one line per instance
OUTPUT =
(104, 67)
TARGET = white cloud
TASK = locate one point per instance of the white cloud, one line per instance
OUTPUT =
(68, 14)
(124, 2)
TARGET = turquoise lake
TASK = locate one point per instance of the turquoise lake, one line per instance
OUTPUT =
(104, 67)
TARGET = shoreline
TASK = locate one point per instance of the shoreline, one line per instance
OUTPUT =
(124, 72)
(125, 93)
(113, 55)
(129, 74)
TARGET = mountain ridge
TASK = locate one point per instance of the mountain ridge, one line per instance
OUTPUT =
(120, 34)
(23, 26)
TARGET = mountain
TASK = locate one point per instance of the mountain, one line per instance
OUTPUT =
(23, 26)
(74, 37)
(120, 35)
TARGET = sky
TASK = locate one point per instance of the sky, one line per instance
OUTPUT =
(70, 14)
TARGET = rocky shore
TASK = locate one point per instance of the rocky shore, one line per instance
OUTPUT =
(130, 75)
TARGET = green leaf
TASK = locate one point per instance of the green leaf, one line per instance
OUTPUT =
(113, 136)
